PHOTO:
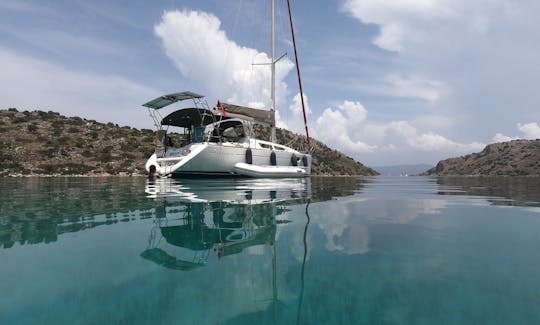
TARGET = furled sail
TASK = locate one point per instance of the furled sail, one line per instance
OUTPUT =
(250, 114)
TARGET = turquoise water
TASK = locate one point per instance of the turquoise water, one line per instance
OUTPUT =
(321, 251)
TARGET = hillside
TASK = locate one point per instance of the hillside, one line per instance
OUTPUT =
(513, 158)
(47, 143)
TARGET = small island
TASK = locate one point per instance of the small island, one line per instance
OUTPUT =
(39, 143)
(512, 158)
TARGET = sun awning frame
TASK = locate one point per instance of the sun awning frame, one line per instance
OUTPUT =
(166, 100)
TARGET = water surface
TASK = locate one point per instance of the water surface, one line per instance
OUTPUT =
(315, 251)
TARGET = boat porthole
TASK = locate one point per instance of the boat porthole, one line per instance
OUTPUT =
(294, 160)
(305, 161)
(273, 159)
(249, 156)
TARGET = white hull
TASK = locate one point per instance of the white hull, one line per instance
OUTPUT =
(229, 159)
(269, 171)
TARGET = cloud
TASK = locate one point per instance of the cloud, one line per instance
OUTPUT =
(474, 60)
(414, 87)
(528, 130)
(394, 18)
(296, 106)
(205, 55)
(348, 129)
(296, 109)
(499, 137)
(337, 127)
(406, 23)
(28, 83)
(428, 141)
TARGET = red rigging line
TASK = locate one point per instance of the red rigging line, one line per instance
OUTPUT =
(298, 73)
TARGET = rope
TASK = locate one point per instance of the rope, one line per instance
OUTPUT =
(298, 73)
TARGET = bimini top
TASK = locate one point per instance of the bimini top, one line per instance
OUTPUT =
(201, 116)
(167, 100)
(188, 117)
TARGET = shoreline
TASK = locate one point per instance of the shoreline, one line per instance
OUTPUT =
(139, 175)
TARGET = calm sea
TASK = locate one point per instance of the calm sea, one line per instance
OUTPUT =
(408, 250)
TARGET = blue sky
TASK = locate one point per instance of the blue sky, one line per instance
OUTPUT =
(387, 82)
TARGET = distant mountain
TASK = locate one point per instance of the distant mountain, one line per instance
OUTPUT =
(513, 158)
(47, 143)
(402, 170)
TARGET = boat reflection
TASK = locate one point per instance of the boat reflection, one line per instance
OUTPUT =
(203, 221)
(41, 210)
(221, 217)
(241, 190)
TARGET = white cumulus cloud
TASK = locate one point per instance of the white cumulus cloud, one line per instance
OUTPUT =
(348, 129)
(528, 131)
(338, 127)
(296, 106)
(206, 56)
(396, 18)
(406, 23)
(499, 137)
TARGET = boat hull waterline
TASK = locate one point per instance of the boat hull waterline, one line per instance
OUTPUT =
(229, 159)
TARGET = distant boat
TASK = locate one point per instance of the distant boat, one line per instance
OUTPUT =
(220, 141)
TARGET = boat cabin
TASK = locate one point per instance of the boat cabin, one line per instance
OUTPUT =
(225, 123)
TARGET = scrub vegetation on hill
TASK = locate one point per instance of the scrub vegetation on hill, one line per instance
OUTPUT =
(512, 158)
(47, 143)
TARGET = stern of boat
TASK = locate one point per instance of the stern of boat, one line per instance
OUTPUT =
(174, 159)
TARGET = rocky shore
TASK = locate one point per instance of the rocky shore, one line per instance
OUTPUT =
(512, 158)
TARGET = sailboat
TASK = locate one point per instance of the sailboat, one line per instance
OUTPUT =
(220, 141)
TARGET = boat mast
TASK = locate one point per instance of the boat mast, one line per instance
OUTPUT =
(273, 68)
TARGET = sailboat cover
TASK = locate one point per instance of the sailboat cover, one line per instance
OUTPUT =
(250, 114)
